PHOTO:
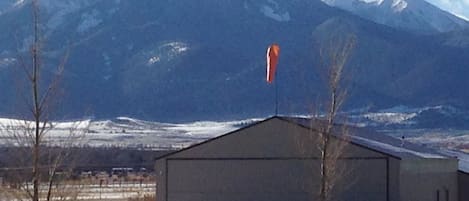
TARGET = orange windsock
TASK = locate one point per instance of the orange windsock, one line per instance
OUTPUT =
(272, 60)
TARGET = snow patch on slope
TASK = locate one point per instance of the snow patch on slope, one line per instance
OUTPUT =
(399, 5)
(443, 115)
(18, 123)
(58, 10)
(89, 20)
(390, 117)
(5, 62)
(153, 60)
(461, 16)
(274, 12)
(376, 2)
(167, 52)
(19, 3)
(176, 47)
(270, 12)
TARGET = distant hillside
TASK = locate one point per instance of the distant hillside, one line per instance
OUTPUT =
(190, 60)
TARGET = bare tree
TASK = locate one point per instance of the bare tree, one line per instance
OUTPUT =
(334, 57)
(45, 157)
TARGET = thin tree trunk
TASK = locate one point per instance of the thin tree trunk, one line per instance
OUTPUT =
(324, 192)
(36, 106)
(51, 182)
(324, 175)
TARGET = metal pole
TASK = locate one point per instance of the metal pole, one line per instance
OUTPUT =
(276, 98)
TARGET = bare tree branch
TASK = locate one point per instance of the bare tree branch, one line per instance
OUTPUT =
(333, 58)
(40, 158)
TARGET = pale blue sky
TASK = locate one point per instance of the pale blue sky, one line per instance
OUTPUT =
(457, 7)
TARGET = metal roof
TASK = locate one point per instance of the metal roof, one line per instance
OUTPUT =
(373, 140)
(365, 138)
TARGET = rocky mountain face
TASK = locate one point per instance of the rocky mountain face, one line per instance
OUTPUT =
(189, 60)
(412, 15)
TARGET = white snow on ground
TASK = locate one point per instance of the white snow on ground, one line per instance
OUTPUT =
(400, 109)
(16, 123)
(125, 132)
(395, 115)
(83, 124)
(390, 117)
(204, 128)
(11, 122)
(400, 115)
(451, 139)
(121, 191)
(449, 142)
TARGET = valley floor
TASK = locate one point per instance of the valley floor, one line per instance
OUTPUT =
(92, 192)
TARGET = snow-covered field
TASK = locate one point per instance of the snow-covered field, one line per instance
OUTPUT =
(448, 138)
(412, 123)
(436, 126)
(112, 192)
(124, 132)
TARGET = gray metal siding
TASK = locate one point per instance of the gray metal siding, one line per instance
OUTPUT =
(424, 179)
(463, 186)
(394, 179)
(271, 179)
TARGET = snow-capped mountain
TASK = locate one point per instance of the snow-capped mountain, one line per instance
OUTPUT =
(412, 15)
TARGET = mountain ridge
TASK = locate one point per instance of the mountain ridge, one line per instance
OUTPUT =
(144, 59)
(413, 15)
